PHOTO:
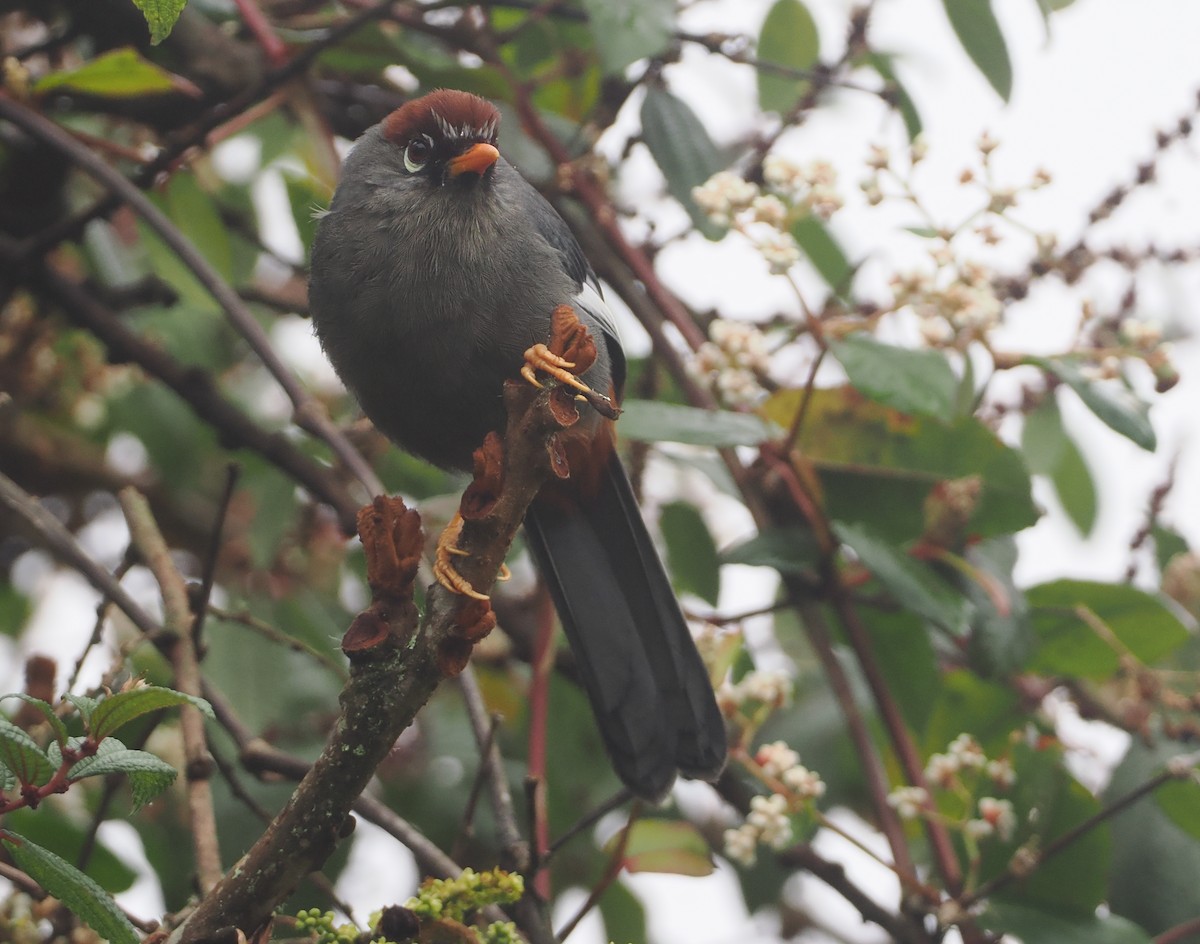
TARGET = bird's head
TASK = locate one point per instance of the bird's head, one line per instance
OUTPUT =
(445, 136)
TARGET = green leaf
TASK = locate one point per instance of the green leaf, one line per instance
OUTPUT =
(788, 550)
(83, 704)
(883, 64)
(1153, 874)
(22, 756)
(1167, 543)
(976, 27)
(664, 845)
(54, 828)
(1114, 405)
(788, 38)
(877, 465)
(85, 899)
(628, 30)
(148, 775)
(682, 148)
(193, 210)
(691, 553)
(967, 703)
(1067, 645)
(117, 710)
(623, 913)
(650, 421)
(1051, 451)
(47, 712)
(823, 251)
(306, 196)
(14, 609)
(911, 380)
(1180, 800)
(909, 664)
(122, 73)
(1001, 633)
(160, 16)
(912, 584)
(1037, 926)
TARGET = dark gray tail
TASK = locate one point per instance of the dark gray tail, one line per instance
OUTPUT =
(648, 687)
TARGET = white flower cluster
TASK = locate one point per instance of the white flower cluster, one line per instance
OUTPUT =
(766, 688)
(724, 195)
(996, 817)
(965, 304)
(908, 801)
(767, 823)
(780, 762)
(964, 753)
(731, 362)
(812, 188)
(1143, 335)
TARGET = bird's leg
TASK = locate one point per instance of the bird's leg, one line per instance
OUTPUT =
(541, 358)
(443, 561)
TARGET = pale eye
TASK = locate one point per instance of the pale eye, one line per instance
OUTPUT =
(418, 152)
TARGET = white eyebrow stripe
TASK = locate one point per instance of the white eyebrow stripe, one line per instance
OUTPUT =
(465, 130)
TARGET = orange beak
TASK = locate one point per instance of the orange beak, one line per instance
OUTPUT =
(475, 160)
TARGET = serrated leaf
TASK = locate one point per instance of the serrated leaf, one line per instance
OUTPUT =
(628, 30)
(122, 73)
(1051, 451)
(148, 775)
(22, 756)
(822, 250)
(661, 845)
(160, 16)
(1180, 800)
(117, 710)
(47, 711)
(682, 148)
(911, 380)
(912, 584)
(691, 553)
(650, 421)
(84, 704)
(1068, 645)
(1115, 406)
(85, 899)
(55, 828)
(788, 38)
(975, 25)
(788, 550)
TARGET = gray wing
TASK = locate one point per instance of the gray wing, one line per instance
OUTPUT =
(589, 298)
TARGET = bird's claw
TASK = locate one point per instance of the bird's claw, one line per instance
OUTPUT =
(443, 562)
(541, 358)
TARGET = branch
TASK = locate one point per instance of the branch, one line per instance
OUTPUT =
(179, 623)
(396, 664)
(308, 413)
(197, 389)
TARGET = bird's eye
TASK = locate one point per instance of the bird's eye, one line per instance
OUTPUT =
(418, 152)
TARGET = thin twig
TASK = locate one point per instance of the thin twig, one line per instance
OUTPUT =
(178, 619)
(209, 574)
(615, 863)
(307, 412)
(62, 544)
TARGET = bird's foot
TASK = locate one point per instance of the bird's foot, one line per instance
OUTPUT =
(443, 561)
(541, 358)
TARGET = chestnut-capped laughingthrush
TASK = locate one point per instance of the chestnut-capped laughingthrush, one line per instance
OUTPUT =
(436, 267)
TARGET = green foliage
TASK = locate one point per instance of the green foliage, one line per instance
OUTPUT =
(691, 553)
(682, 149)
(73, 888)
(788, 38)
(975, 25)
(1114, 405)
(628, 30)
(824, 252)
(121, 73)
(161, 16)
(661, 845)
(909, 380)
(1052, 451)
(648, 421)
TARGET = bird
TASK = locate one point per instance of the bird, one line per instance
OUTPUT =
(433, 271)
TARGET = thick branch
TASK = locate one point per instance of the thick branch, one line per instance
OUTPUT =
(396, 664)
